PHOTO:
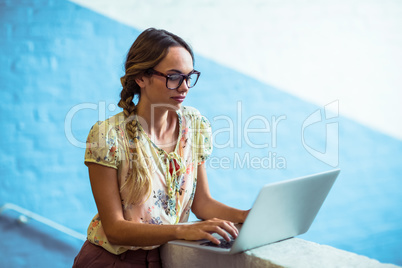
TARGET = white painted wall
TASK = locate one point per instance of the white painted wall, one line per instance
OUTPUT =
(320, 51)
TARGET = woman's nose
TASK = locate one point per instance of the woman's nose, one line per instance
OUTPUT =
(183, 87)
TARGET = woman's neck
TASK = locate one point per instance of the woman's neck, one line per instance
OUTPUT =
(157, 122)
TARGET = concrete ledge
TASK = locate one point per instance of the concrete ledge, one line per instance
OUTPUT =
(293, 252)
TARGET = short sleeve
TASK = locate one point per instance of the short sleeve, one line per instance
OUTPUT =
(102, 145)
(204, 139)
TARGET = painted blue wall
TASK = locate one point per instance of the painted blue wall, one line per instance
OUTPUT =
(60, 68)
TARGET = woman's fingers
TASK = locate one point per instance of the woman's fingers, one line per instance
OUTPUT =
(227, 228)
(230, 228)
(220, 227)
(213, 239)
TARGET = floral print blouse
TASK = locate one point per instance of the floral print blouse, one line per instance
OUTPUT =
(174, 175)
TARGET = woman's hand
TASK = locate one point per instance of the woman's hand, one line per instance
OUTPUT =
(205, 229)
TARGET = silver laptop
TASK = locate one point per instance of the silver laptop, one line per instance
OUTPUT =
(282, 210)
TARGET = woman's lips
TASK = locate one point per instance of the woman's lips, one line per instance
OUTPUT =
(179, 98)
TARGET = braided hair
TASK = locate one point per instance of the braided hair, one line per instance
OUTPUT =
(147, 51)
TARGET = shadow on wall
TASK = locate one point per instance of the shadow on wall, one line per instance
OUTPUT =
(62, 65)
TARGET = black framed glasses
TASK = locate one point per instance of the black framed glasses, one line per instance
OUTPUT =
(174, 81)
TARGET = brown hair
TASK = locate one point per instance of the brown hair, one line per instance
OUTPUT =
(147, 51)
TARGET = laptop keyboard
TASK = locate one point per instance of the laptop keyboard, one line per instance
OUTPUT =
(223, 244)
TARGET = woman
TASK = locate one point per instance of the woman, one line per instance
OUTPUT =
(146, 164)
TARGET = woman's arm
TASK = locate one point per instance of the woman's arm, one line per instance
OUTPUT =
(205, 207)
(122, 232)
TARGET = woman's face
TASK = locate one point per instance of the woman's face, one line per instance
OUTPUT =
(153, 88)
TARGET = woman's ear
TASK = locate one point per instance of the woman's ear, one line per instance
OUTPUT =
(140, 80)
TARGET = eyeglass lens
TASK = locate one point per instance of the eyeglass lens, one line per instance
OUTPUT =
(175, 80)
